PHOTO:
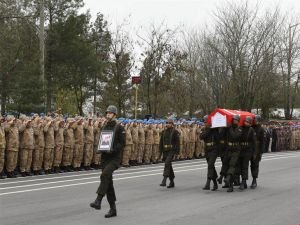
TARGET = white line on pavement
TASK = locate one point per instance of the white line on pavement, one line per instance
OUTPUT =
(123, 178)
(121, 171)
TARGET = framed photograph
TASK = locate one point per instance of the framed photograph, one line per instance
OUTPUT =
(105, 141)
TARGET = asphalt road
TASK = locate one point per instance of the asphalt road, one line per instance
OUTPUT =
(63, 199)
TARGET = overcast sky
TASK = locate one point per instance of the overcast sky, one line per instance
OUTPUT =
(190, 13)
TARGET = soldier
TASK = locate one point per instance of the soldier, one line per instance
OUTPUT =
(69, 143)
(248, 144)
(192, 139)
(135, 140)
(128, 146)
(233, 147)
(59, 145)
(97, 156)
(149, 141)
(141, 149)
(39, 145)
(2, 148)
(26, 147)
(79, 144)
(222, 151)
(256, 157)
(49, 145)
(169, 146)
(211, 138)
(12, 146)
(155, 146)
(111, 162)
(88, 144)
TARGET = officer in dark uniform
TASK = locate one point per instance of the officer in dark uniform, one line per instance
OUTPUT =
(111, 161)
(222, 150)
(233, 152)
(256, 157)
(248, 144)
(211, 138)
(169, 145)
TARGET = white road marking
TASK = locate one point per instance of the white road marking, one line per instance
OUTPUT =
(121, 170)
(125, 178)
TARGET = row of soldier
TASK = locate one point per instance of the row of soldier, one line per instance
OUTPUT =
(42, 145)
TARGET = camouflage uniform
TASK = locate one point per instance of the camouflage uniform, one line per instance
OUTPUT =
(12, 147)
(155, 149)
(149, 141)
(135, 140)
(141, 149)
(2, 150)
(192, 141)
(49, 145)
(78, 148)
(26, 148)
(128, 146)
(69, 143)
(96, 156)
(59, 145)
(89, 144)
(39, 145)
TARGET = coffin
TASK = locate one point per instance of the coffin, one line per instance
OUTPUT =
(223, 117)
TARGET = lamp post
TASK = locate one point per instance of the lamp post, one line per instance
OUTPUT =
(136, 81)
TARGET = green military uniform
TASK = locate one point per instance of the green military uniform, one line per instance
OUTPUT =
(256, 157)
(169, 146)
(110, 161)
(233, 153)
(211, 137)
(247, 143)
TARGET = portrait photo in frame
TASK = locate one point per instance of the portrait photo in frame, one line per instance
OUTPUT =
(105, 141)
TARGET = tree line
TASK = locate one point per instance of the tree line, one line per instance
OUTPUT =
(248, 59)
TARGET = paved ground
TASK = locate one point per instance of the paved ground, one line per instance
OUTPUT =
(63, 199)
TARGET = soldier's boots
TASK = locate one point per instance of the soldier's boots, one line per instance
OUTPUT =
(28, 174)
(172, 184)
(163, 182)
(112, 211)
(11, 175)
(215, 187)
(230, 188)
(220, 179)
(243, 185)
(254, 184)
(23, 174)
(3, 175)
(97, 203)
(207, 185)
(236, 181)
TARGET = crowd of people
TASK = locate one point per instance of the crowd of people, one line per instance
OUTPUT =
(37, 144)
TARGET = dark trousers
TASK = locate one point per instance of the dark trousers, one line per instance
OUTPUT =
(233, 160)
(255, 165)
(245, 156)
(106, 186)
(168, 170)
(211, 156)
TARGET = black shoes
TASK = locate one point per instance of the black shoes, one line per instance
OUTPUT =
(230, 188)
(243, 185)
(112, 211)
(254, 184)
(97, 203)
(215, 187)
(171, 185)
(220, 179)
(207, 185)
(163, 182)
